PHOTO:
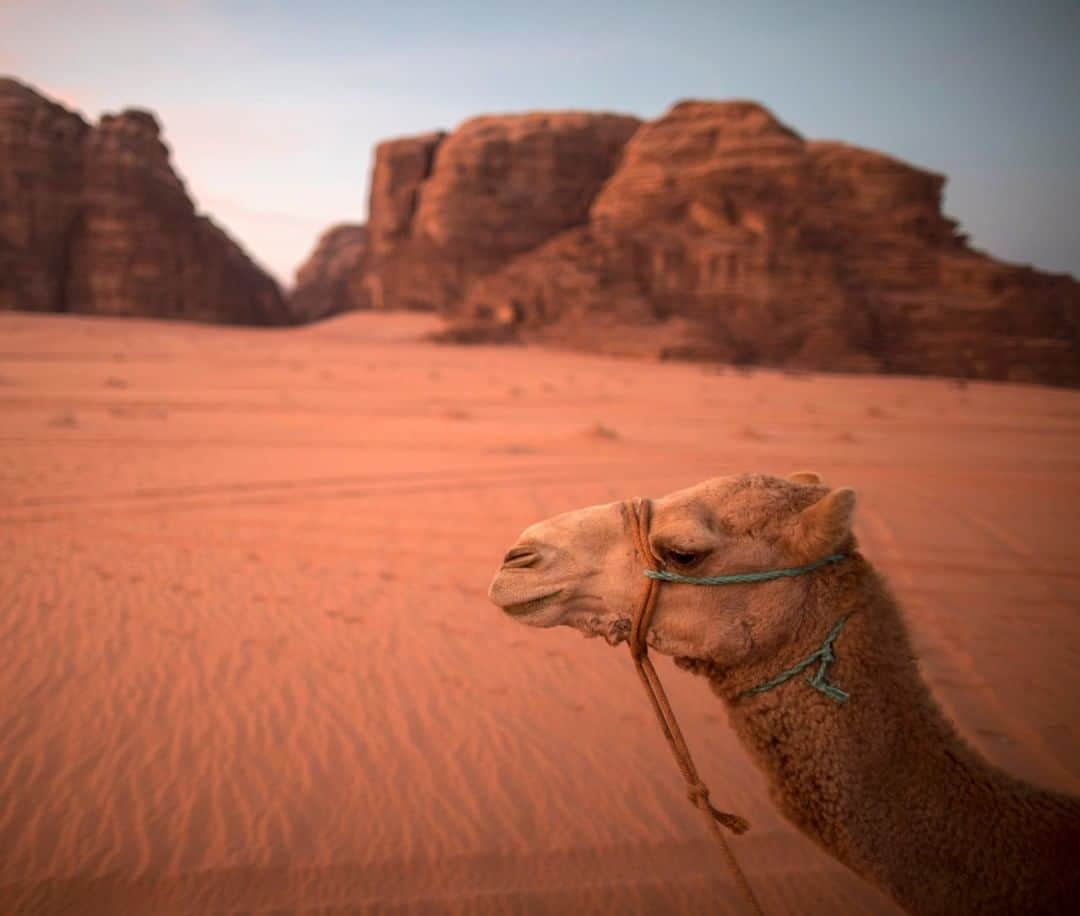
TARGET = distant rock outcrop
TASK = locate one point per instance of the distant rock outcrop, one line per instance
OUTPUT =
(713, 232)
(331, 279)
(95, 220)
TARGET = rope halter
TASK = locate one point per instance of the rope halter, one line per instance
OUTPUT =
(639, 512)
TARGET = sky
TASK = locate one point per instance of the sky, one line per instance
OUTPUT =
(272, 109)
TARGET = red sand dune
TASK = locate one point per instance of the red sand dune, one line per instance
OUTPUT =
(247, 664)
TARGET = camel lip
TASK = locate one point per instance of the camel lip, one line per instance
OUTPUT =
(524, 608)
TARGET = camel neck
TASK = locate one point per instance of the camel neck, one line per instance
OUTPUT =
(882, 782)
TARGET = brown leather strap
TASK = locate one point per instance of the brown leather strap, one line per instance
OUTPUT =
(698, 793)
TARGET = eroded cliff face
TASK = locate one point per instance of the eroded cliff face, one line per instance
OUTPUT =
(722, 234)
(95, 220)
(448, 209)
(331, 279)
(41, 158)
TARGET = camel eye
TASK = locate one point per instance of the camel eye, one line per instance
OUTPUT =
(681, 557)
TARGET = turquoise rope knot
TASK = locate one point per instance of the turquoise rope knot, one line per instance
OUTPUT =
(816, 680)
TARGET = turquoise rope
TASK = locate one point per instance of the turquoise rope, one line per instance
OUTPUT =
(666, 576)
(817, 680)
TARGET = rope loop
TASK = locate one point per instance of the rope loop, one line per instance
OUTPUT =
(734, 823)
(698, 792)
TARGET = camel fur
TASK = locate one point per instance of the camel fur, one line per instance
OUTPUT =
(882, 782)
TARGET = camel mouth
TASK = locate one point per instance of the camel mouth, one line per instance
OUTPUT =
(525, 608)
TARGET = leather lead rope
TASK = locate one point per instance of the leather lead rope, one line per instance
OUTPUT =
(697, 791)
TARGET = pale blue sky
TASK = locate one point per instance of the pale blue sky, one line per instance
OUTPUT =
(272, 108)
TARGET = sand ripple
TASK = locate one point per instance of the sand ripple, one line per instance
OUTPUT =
(247, 664)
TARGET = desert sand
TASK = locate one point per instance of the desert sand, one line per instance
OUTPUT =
(247, 664)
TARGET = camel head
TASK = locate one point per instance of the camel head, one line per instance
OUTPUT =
(581, 569)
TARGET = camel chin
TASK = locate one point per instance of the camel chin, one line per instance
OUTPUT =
(543, 606)
(533, 610)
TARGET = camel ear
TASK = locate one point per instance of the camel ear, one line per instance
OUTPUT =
(804, 477)
(822, 527)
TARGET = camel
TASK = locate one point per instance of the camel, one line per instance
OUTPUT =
(857, 754)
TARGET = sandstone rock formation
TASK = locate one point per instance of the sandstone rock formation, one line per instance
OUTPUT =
(331, 279)
(713, 232)
(95, 220)
(447, 209)
(40, 196)
(730, 237)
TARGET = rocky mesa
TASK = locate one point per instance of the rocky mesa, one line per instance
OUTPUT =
(713, 232)
(94, 219)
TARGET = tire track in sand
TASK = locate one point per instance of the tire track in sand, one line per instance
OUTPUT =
(283, 492)
(1058, 738)
(968, 698)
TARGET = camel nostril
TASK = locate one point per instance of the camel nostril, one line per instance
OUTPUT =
(520, 557)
